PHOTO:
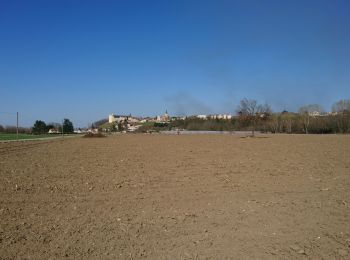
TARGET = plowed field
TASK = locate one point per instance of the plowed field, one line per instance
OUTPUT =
(176, 197)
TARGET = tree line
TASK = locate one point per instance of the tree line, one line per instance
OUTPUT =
(309, 119)
(13, 130)
(40, 127)
(252, 116)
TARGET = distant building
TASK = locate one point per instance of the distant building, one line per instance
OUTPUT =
(174, 118)
(120, 118)
(148, 119)
(116, 118)
(202, 117)
(314, 113)
(221, 116)
(130, 123)
(333, 113)
(79, 131)
(133, 128)
(163, 118)
(92, 130)
(53, 131)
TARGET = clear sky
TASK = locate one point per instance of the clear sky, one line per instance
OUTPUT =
(86, 59)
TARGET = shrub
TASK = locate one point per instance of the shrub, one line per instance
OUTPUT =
(92, 135)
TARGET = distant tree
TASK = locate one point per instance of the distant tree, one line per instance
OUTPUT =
(9, 129)
(124, 124)
(342, 115)
(286, 121)
(250, 112)
(274, 123)
(13, 130)
(39, 127)
(264, 116)
(67, 126)
(120, 126)
(341, 106)
(312, 108)
(2, 128)
(50, 126)
(306, 112)
(54, 125)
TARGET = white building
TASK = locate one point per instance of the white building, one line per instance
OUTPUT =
(54, 131)
(221, 116)
(202, 116)
(314, 113)
(116, 118)
(119, 118)
(163, 118)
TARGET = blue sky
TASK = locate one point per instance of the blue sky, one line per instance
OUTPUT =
(85, 59)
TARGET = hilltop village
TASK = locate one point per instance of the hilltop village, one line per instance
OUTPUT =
(250, 116)
(129, 123)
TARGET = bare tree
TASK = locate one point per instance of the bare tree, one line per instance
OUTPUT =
(308, 111)
(341, 106)
(250, 111)
(287, 119)
(341, 109)
(274, 123)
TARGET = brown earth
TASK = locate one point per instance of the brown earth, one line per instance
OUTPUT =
(176, 197)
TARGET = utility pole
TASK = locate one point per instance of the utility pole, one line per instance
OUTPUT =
(62, 128)
(17, 126)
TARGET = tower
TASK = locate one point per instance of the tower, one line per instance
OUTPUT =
(111, 118)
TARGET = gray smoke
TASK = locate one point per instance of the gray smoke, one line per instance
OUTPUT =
(184, 104)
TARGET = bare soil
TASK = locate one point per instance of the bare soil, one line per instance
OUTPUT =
(176, 197)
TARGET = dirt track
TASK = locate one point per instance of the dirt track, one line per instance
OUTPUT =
(176, 197)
